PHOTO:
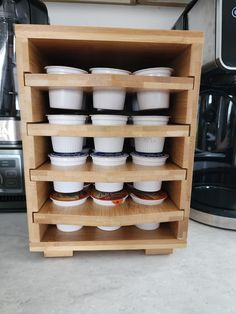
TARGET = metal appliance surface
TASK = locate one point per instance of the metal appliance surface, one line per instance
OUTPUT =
(12, 194)
(10, 133)
(217, 19)
(213, 199)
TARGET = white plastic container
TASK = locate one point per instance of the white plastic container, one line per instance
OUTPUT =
(65, 98)
(109, 161)
(148, 186)
(109, 187)
(154, 99)
(67, 144)
(148, 227)
(68, 187)
(113, 228)
(142, 201)
(69, 203)
(149, 144)
(65, 161)
(68, 228)
(70, 119)
(109, 144)
(145, 160)
(111, 99)
(109, 203)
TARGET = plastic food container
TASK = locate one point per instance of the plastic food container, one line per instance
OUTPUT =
(74, 159)
(109, 144)
(148, 226)
(148, 198)
(149, 159)
(112, 99)
(148, 186)
(69, 199)
(149, 144)
(109, 199)
(109, 187)
(109, 160)
(67, 144)
(68, 187)
(65, 98)
(154, 99)
(68, 228)
(113, 228)
(72, 119)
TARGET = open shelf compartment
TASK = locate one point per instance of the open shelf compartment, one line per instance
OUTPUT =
(93, 239)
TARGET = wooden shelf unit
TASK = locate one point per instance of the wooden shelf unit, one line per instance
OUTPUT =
(130, 49)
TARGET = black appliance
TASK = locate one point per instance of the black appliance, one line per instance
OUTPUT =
(12, 194)
(213, 199)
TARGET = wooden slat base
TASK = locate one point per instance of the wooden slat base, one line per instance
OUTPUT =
(57, 253)
(158, 252)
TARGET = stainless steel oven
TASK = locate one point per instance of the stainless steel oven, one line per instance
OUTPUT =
(12, 193)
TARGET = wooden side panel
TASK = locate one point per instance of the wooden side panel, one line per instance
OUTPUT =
(36, 231)
(178, 149)
(36, 103)
(177, 191)
(181, 107)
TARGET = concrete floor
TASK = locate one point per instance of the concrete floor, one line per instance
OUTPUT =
(197, 280)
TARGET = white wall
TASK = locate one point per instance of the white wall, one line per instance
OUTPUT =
(112, 15)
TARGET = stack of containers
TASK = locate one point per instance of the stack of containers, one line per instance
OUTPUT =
(109, 150)
(67, 151)
(149, 151)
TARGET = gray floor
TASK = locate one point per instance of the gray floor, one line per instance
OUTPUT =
(200, 279)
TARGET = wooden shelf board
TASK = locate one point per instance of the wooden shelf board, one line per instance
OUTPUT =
(88, 81)
(92, 173)
(91, 214)
(93, 239)
(88, 130)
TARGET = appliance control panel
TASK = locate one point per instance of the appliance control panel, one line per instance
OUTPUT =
(228, 42)
(11, 175)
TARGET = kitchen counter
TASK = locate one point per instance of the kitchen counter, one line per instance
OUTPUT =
(199, 279)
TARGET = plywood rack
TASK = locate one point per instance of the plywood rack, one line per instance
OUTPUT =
(83, 47)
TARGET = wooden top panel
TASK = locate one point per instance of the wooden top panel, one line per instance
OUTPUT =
(89, 130)
(107, 34)
(92, 173)
(91, 214)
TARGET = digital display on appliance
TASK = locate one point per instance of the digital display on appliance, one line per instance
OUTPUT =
(228, 44)
(7, 163)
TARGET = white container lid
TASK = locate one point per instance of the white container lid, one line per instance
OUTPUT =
(68, 159)
(71, 117)
(109, 117)
(149, 159)
(150, 118)
(157, 71)
(59, 69)
(109, 70)
(68, 228)
(108, 159)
